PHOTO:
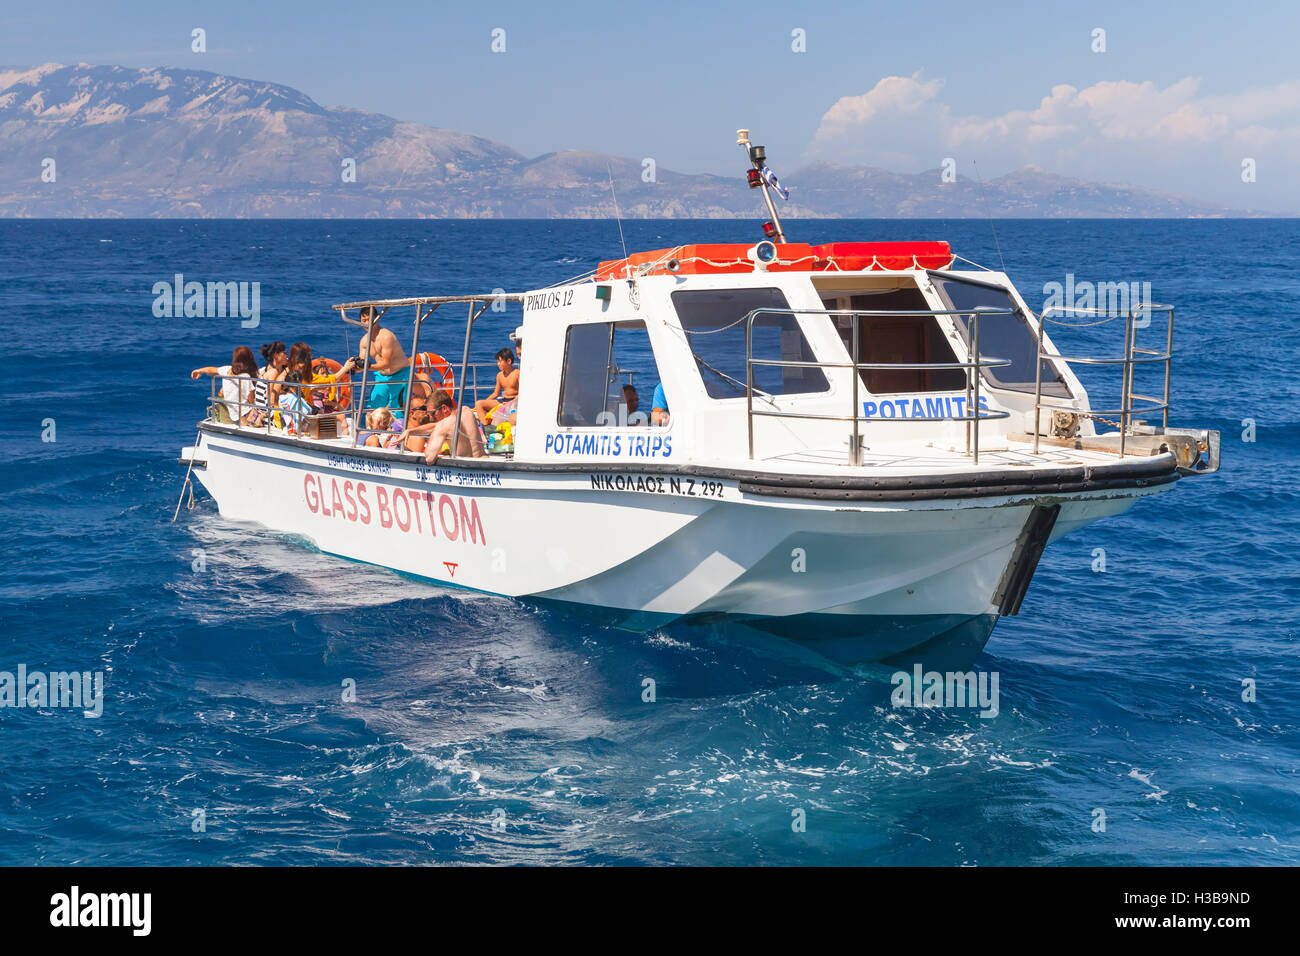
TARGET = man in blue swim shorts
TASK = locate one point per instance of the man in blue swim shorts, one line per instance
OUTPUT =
(389, 367)
(388, 391)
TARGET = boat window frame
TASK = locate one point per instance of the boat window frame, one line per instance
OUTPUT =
(947, 332)
(788, 311)
(630, 323)
(1061, 388)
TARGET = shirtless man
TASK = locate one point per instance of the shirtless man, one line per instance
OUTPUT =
(507, 389)
(388, 363)
(441, 428)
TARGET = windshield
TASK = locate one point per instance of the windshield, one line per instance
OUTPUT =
(1001, 336)
(715, 330)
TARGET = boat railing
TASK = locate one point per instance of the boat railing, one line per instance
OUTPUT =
(353, 408)
(1133, 356)
(972, 371)
(426, 306)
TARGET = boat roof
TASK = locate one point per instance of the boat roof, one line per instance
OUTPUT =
(735, 257)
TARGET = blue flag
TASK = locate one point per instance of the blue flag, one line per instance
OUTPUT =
(772, 181)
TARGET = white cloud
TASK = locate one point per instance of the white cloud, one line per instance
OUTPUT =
(1173, 137)
(893, 96)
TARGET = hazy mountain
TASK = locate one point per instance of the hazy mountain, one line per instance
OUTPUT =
(188, 143)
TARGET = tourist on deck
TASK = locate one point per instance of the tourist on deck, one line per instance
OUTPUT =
(417, 442)
(237, 383)
(659, 407)
(301, 391)
(632, 402)
(421, 388)
(445, 416)
(266, 390)
(302, 371)
(388, 363)
(506, 391)
(379, 421)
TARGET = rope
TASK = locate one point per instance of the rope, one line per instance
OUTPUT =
(589, 274)
(723, 328)
(832, 265)
(972, 262)
(997, 245)
(1079, 325)
(188, 485)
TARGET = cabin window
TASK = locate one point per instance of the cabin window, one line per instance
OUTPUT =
(906, 340)
(714, 322)
(1001, 336)
(609, 375)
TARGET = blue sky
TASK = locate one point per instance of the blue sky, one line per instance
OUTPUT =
(1183, 94)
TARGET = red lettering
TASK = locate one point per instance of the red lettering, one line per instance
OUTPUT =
(471, 525)
(336, 500)
(451, 567)
(361, 500)
(352, 505)
(399, 495)
(309, 492)
(452, 530)
(415, 509)
(385, 515)
(428, 503)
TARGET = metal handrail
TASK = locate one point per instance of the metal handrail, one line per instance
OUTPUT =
(355, 400)
(482, 302)
(972, 370)
(474, 385)
(1128, 360)
(270, 409)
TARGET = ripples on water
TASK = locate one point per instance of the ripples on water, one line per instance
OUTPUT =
(1119, 691)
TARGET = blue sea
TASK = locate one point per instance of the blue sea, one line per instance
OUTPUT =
(486, 730)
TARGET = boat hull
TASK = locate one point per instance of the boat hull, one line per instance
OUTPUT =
(850, 580)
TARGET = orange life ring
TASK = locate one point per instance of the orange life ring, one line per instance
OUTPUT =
(339, 395)
(433, 363)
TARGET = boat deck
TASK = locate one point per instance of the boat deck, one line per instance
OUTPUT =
(917, 457)
(896, 458)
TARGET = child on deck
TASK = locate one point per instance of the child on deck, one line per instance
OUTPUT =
(507, 387)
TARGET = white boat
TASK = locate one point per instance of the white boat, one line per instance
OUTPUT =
(820, 477)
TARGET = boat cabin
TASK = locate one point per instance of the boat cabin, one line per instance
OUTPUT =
(755, 355)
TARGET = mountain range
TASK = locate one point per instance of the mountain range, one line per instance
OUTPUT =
(109, 141)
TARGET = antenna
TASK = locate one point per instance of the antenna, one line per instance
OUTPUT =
(627, 266)
(761, 176)
(996, 244)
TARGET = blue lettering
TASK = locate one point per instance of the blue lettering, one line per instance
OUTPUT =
(868, 409)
